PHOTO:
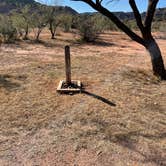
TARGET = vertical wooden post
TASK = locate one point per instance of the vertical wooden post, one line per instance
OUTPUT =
(68, 65)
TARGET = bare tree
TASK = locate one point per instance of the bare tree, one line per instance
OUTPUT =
(146, 39)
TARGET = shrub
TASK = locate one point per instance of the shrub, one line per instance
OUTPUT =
(89, 29)
(66, 22)
(162, 27)
(7, 30)
(22, 21)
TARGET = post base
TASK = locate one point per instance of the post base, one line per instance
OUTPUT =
(74, 87)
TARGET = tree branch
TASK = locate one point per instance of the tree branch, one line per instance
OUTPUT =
(137, 15)
(116, 20)
(150, 14)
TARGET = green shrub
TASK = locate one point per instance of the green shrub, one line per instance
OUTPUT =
(162, 27)
(89, 29)
(7, 30)
(66, 22)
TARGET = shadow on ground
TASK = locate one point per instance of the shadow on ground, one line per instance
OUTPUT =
(104, 100)
(126, 140)
(44, 43)
(103, 43)
(10, 83)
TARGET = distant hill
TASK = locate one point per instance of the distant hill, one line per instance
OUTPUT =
(160, 14)
(6, 6)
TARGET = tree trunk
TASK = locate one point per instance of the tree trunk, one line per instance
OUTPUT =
(156, 58)
(52, 30)
(38, 34)
(52, 35)
(26, 33)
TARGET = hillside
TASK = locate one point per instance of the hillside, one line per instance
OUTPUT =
(159, 15)
(6, 6)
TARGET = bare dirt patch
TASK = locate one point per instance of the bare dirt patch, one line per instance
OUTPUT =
(119, 119)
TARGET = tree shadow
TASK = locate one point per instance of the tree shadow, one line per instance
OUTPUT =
(104, 100)
(42, 42)
(102, 43)
(126, 140)
(9, 83)
(47, 44)
(98, 42)
(130, 139)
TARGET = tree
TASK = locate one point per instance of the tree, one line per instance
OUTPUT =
(53, 21)
(25, 13)
(146, 39)
(18, 23)
(90, 27)
(39, 21)
(66, 21)
(7, 30)
(22, 20)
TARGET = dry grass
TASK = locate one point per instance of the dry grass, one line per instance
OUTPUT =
(119, 119)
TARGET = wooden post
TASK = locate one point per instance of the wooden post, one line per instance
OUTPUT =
(68, 65)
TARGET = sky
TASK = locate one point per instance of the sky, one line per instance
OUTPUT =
(116, 5)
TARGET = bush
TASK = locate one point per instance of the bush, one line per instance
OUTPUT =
(22, 21)
(131, 24)
(89, 29)
(7, 30)
(66, 22)
(162, 27)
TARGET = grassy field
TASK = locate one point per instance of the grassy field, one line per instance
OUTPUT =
(119, 120)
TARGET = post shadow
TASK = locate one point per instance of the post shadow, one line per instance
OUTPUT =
(104, 100)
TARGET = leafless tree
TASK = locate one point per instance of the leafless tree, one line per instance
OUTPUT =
(146, 39)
